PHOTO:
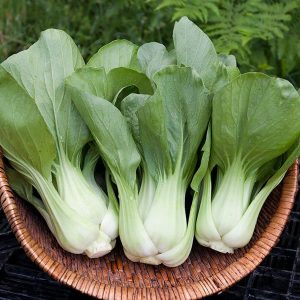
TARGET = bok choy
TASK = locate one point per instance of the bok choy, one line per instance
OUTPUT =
(152, 116)
(255, 139)
(168, 128)
(43, 137)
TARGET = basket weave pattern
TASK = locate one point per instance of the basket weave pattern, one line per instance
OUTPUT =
(115, 277)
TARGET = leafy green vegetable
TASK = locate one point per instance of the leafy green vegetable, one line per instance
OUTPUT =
(193, 48)
(151, 115)
(43, 136)
(153, 224)
(255, 138)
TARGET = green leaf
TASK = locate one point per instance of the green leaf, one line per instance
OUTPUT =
(151, 120)
(129, 107)
(120, 78)
(153, 57)
(204, 163)
(255, 107)
(109, 85)
(110, 131)
(194, 49)
(176, 118)
(228, 60)
(90, 79)
(40, 71)
(118, 53)
(224, 75)
(24, 136)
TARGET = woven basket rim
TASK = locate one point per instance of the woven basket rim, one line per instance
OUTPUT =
(214, 284)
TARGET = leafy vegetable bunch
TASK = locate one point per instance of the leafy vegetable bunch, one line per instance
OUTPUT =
(161, 121)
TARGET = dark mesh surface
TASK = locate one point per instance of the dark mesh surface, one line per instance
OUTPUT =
(278, 277)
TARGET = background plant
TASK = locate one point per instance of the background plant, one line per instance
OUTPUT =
(263, 34)
(91, 23)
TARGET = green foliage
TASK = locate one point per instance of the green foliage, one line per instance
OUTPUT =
(264, 35)
(240, 23)
(284, 54)
(91, 23)
(191, 8)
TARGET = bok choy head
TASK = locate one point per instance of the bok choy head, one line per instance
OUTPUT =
(43, 136)
(255, 138)
(168, 127)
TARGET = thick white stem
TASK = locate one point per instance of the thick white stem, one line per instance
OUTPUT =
(146, 194)
(135, 239)
(231, 198)
(76, 192)
(166, 221)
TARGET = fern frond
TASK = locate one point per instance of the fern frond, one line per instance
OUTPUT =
(196, 10)
(233, 25)
(241, 22)
(287, 50)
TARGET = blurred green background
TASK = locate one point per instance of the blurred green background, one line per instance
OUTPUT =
(263, 34)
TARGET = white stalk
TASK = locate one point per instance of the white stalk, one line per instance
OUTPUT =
(146, 194)
(76, 192)
(73, 231)
(166, 221)
(232, 198)
(136, 242)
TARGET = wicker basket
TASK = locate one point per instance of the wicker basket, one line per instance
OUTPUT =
(115, 277)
